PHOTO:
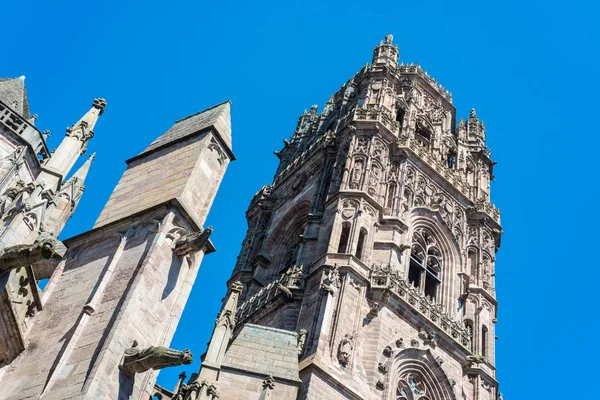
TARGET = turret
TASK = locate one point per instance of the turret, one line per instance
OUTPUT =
(386, 53)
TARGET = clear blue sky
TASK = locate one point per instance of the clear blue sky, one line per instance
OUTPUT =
(529, 68)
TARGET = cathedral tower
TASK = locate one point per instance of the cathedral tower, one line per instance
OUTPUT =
(371, 255)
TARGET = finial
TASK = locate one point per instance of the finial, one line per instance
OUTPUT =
(92, 156)
(472, 114)
(22, 77)
(313, 109)
(99, 104)
(388, 38)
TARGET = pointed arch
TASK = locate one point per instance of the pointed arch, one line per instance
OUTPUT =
(450, 290)
(284, 235)
(417, 375)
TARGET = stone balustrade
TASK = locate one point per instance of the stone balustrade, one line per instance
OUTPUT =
(20, 126)
(387, 279)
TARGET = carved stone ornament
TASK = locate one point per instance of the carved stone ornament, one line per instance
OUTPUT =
(301, 341)
(192, 242)
(153, 357)
(46, 247)
(345, 349)
(388, 352)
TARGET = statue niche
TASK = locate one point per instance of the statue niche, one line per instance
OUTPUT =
(153, 357)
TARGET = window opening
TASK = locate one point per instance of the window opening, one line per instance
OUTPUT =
(342, 247)
(484, 349)
(361, 242)
(425, 264)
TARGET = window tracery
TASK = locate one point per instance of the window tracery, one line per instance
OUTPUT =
(411, 387)
(425, 267)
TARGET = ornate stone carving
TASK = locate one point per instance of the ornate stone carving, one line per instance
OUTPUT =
(345, 349)
(192, 242)
(154, 357)
(301, 340)
(45, 247)
(387, 351)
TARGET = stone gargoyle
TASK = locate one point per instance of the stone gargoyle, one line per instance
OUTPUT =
(153, 357)
(192, 242)
(46, 247)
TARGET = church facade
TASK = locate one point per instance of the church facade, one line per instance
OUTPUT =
(367, 271)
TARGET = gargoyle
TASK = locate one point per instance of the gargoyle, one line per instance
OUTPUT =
(153, 357)
(45, 247)
(192, 242)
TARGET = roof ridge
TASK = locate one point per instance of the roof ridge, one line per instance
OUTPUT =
(203, 111)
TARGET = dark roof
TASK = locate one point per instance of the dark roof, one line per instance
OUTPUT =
(216, 118)
(14, 95)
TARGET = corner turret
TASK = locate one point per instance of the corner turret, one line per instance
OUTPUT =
(386, 53)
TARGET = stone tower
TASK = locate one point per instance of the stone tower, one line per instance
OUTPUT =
(101, 326)
(367, 271)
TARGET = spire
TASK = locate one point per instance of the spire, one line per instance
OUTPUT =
(221, 334)
(386, 53)
(79, 176)
(68, 199)
(73, 145)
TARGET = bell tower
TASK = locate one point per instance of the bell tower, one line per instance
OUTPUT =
(374, 246)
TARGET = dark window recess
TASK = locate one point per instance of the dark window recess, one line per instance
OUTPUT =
(400, 118)
(344, 238)
(484, 349)
(361, 243)
(414, 272)
(431, 284)
(423, 135)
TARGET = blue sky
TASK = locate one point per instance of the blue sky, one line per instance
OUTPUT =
(529, 68)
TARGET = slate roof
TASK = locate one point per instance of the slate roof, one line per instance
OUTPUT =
(14, 95)
(216, 118)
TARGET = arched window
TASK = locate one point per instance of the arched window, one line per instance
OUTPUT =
(291, 255)
(391, 194)
(361, 243)
(343, 246)
(425, 263)
(400, 118)
(484, 341)
(412, 387)
(423, 134)
(451, 159)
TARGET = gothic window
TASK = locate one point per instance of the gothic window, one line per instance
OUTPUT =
(423, 135)
(389, 203)
(425, 263)
(411, 387)
(400, 118)
(290, 257)
(361, 243)
(451, 159)
(342, 247)
(484, 341)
